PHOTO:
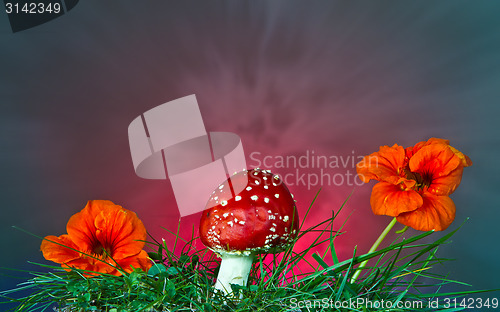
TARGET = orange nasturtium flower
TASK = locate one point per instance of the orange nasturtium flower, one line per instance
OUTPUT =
(414, 183)
(112, 235)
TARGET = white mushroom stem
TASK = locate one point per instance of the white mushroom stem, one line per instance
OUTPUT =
(234, 269)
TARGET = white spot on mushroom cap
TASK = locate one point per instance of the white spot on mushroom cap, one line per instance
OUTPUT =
(277, 195)
(249, 188)
(237, 198)
(266, 200)
(254, 197)
(285, 218)
(223, 203)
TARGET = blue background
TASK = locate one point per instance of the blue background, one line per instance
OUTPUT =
(338, 78)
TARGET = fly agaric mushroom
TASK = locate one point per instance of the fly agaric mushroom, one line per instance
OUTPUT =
(262, 218)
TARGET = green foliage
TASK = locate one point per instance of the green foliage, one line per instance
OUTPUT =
(181, 280)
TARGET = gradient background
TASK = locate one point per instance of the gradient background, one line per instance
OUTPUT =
(336, 77)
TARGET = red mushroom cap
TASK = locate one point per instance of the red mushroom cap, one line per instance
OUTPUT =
(260, 218)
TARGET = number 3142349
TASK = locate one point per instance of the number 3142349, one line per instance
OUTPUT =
(471, 303)
(32, 8)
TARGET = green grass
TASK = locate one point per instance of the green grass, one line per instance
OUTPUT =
(182, 280)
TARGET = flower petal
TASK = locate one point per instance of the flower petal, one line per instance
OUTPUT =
(81, 227)
(436, 213)
(466, 161)
(53, 249)
(107, 267)
(382, 165)
(412, 150)
(391, 200)
(137, 261)
(440, 165)
(446, 185)
(121, 231)
(94, 265)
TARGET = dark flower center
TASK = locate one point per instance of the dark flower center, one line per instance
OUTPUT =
(423, 179)
(100, 251)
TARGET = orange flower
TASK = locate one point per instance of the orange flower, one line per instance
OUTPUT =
(114, 236)
(415, 182)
